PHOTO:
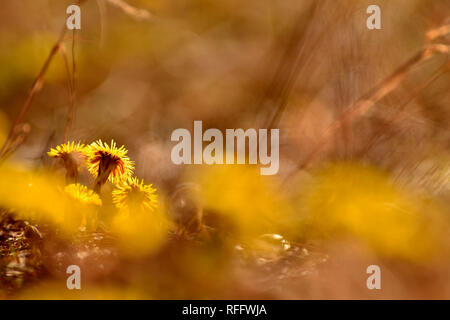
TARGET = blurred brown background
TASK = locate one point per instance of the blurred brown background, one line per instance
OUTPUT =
(231, 64)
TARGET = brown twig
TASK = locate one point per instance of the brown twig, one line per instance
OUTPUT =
(35, 88)
(103, 22)
(71, 86)
(438, 32)
(14, 133)
(18, 140)
(415, 93)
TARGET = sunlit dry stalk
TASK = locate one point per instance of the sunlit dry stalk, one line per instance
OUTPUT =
(10, 143)
(35, 88)
(17, 135)
(287, 71)
(71, 85)
(103, 22)
(70, 90)
(438, 32)
(21, 135)
(363, 104)
(297, 55)
(139, 14)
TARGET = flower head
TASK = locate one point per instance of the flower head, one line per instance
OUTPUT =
(72, 154)
(108, 162)
(66, 149)
(83, 194)
(134, 193)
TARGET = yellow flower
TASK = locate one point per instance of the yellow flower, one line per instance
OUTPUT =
(239, 200)
(141, 225)
(87, 203)
(83, 194)
(134, 193)
(66, 149)
(108, 162)
(32, 194)
(354, 199)
(72, 154)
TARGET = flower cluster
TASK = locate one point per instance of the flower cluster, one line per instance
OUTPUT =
(106, 162)
(138, 223)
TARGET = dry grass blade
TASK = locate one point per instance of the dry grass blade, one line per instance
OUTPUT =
(35, 88)
(288, 69)
(415, 93)
(70, 90)
(16, 134)
(363, 104)
(136, 13)
(438, 32)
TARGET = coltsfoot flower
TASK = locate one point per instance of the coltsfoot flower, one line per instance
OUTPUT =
(66, 149)
(107, 162)
(134, 194)
(141, 224)
(89, 202)
(72, 154)
(81, 193)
